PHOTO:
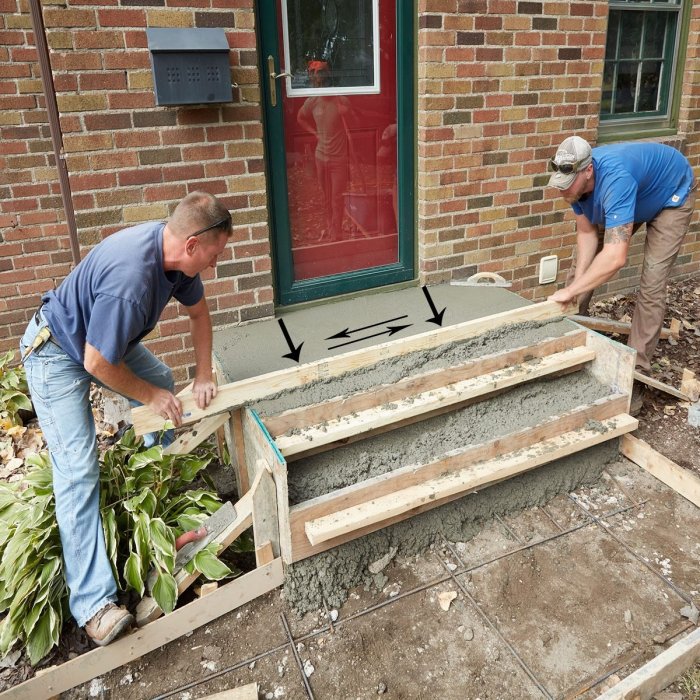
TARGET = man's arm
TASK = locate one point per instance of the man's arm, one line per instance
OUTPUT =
(122, 380)
(603, 267)
(204, 388)
(586, 244)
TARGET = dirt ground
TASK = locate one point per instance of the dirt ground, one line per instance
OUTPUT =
(552, 602)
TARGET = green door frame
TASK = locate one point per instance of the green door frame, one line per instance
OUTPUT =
(287, 290)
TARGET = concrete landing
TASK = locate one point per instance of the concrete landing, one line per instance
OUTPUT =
(258, 348)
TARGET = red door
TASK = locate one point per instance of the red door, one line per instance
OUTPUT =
(339, 110)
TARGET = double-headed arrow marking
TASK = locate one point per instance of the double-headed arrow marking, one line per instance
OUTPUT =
(390, 330)
(346, 333)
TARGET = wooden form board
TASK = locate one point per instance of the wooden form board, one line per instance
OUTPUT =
(428, 402)
(230, 596)
(659, 673)
(415, 474)
(244, 692)
(683, 481)
(261, 452)
(608, 325)
(386, 486)
(241, 392)
(194, 437)
(388, 509)
(314, 414)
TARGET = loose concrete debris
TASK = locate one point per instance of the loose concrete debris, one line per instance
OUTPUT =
(445, 599)
(628, 616)
(383, 562)
(97, 688)
(691, 612)
(308, 668)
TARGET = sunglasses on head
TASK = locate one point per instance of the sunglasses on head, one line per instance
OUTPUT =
(219, 224)
(565, 168)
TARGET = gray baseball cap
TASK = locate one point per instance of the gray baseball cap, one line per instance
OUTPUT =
(574, 152)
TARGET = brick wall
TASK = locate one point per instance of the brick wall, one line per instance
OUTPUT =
(129, 161)
(500, 84)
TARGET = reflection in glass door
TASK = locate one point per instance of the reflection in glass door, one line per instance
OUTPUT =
(340, 135)
(335, 99)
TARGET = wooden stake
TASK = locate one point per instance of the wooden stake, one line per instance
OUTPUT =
(607, 325)
(660, 386)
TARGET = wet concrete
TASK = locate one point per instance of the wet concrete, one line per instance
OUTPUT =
(328, 576)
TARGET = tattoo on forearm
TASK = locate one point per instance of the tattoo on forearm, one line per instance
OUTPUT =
(618, 234)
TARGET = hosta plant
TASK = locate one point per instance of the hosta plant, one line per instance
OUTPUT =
(13, 392)
(145, 505)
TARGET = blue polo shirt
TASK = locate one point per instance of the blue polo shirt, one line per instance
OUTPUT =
(634, 182)
(116, 294)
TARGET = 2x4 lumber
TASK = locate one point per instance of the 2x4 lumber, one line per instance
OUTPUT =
(265, 517)
(416, 474)
(668, 472)
(196, 435)
(607, 325)
(260, 449)
(656, 384)
(407, 501)
(245, 692)
(430, 401)
(144, 640)
(658, 673)
(238, 393)
(148, 610)
(386, 393)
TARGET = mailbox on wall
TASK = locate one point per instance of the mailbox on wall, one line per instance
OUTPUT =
(190, 66)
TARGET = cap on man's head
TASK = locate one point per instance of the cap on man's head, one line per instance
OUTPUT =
(574, 151)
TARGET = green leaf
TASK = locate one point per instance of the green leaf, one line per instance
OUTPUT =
(164, 592)
(206, 562)
(143, 459)
(133, 573)
(42, 637)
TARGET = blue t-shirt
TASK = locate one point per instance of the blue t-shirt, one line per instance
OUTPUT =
(634, 182)
(116, 295)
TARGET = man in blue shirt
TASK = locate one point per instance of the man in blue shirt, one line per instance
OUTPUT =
(97, 318)
(613, 190)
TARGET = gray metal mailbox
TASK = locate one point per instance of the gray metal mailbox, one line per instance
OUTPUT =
(190, 66)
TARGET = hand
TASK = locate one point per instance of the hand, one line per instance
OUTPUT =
(563, 296)
(203, 391)
(167, 406)
(190, 536)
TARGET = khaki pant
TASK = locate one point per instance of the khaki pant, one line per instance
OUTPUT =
(665, 235)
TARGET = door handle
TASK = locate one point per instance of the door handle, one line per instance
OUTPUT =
(272, 77)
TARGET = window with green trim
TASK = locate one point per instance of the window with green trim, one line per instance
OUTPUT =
(642, 55)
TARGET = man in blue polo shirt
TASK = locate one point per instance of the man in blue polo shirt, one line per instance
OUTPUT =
(96, 318)
(613, 190)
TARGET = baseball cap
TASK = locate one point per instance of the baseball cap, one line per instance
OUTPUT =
(574, 151)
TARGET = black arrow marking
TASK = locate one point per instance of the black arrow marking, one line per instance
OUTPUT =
(294, 354)
(437, 317)
(390, 331)
(346, 333)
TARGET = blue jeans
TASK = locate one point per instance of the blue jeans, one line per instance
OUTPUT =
(60, 392)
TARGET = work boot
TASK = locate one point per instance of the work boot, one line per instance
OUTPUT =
(105, 626)
(637, 401)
